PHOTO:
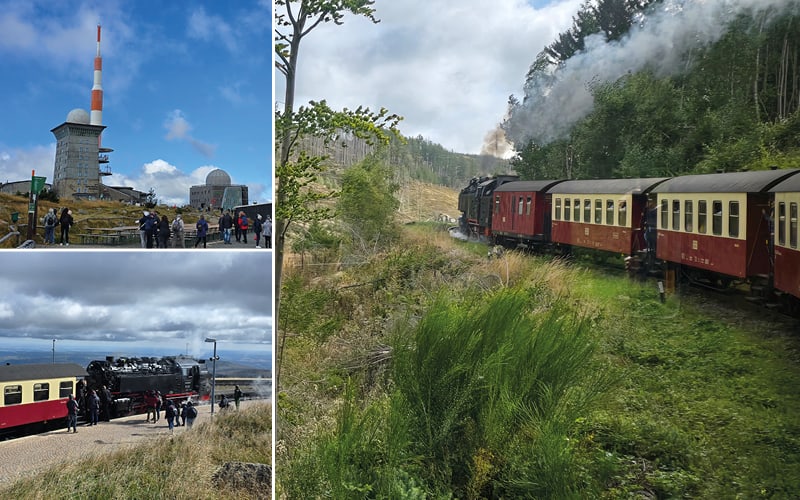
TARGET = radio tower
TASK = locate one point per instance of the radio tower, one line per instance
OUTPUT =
(96, 115)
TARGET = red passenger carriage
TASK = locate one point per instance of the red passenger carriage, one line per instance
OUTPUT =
(606, 214)
(715, 226)
(787, 251)
(521, 213)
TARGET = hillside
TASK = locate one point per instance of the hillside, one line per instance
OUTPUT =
(420, 201)
(94, 214)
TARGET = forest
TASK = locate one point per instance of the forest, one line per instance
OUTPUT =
(675, 87)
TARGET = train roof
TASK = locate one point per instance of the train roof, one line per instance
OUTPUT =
(526, 186)
(40, 371)
(791, 183)
(732, 182)
(607, 186)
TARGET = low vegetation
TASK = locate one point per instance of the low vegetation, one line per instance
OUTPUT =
(180, 466)
(430, 371)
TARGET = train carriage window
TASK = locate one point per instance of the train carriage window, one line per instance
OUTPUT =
(782, 223)
(587, 210)
(558, 208)
(793, 225)
(688, 215)
(598, 211)
(528, 206)
(664, 214)
(716, 218)
(701, 216)
(520, 205)
(567, 214)
(12, 395)
(610, 212)
(41, 391)
(497, 204)
(676, 215)
(577, 212)
(622, 218)
(733, 219)
(65, 389)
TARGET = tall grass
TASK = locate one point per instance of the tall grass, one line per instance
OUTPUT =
(175, 467)
(481, 390)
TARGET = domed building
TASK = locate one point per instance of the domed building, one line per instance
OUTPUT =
(217, 192)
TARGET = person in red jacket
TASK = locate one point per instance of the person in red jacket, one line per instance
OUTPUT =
(243, 225)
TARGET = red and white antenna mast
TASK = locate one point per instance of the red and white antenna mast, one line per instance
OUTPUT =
(96, 115)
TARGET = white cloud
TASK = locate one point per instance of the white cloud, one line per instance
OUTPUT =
(210, 27)
(16, 163)
(447, 70)
(178, 128)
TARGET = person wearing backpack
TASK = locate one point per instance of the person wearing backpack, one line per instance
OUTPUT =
(177, 232)
(191, 414)
(50, 221)
(257, 228)
(150, 223)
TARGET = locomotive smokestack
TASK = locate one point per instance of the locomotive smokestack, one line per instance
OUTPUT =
(96, 115)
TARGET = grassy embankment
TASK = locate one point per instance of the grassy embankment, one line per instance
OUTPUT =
(180, 466)
(87, 214)
(691, 402)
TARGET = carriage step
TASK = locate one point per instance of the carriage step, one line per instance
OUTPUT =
(754, 299)
(772, 305)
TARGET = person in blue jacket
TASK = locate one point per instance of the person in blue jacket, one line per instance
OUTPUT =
(202, 231)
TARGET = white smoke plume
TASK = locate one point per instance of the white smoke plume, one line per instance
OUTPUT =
(555, 102)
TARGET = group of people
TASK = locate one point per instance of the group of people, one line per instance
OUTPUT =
(51, 220)
(183, 415)
(96, 405)
(156, 232)
(241, 225)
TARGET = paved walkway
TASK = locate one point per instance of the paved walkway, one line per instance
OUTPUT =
(26, 456)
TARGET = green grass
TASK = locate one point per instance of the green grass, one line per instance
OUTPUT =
(174, 467)
(702, 406)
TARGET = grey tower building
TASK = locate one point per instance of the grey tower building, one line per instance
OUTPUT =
(79, 157)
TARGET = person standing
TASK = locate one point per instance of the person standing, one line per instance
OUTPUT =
(268, 232)
(141, 221)
(105, 403)
(72, 414)
(50, 221)
(177, 232)
(243, 225)
(150, 404)
(257, 228)
(202, 231)
(163, 232)
(225, 225)
(169, 413)
(93, 405)
(150, 226)
(237, 395)
(159, 403)
(66, 222)
(191, 414)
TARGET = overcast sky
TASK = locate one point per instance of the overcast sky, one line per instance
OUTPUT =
(447, 67)
(120, 301)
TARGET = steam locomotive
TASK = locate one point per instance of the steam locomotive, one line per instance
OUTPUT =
(35, 395)
(712, 229)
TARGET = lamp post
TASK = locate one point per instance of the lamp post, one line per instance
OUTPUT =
(54, 351)
(213, 373)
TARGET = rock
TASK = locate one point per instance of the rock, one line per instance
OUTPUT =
(256, 479)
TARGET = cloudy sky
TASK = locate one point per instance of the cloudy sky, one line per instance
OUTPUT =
(447, 67)
(122, 303)
(187, 89)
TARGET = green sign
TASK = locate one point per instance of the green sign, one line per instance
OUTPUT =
(37, 184)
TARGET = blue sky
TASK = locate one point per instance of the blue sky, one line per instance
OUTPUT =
(187, 89)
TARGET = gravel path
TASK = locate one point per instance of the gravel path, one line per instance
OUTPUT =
(25, 456)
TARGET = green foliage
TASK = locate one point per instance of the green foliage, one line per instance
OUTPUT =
(309, 311)
(367, 204)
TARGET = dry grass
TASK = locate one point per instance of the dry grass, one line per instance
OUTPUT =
(179, 466)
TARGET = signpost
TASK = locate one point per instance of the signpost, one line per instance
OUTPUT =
(37, 184)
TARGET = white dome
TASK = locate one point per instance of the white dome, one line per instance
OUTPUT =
(78, 115)
(218, 177)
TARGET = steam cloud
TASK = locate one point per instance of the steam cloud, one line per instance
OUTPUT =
(555, 102)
